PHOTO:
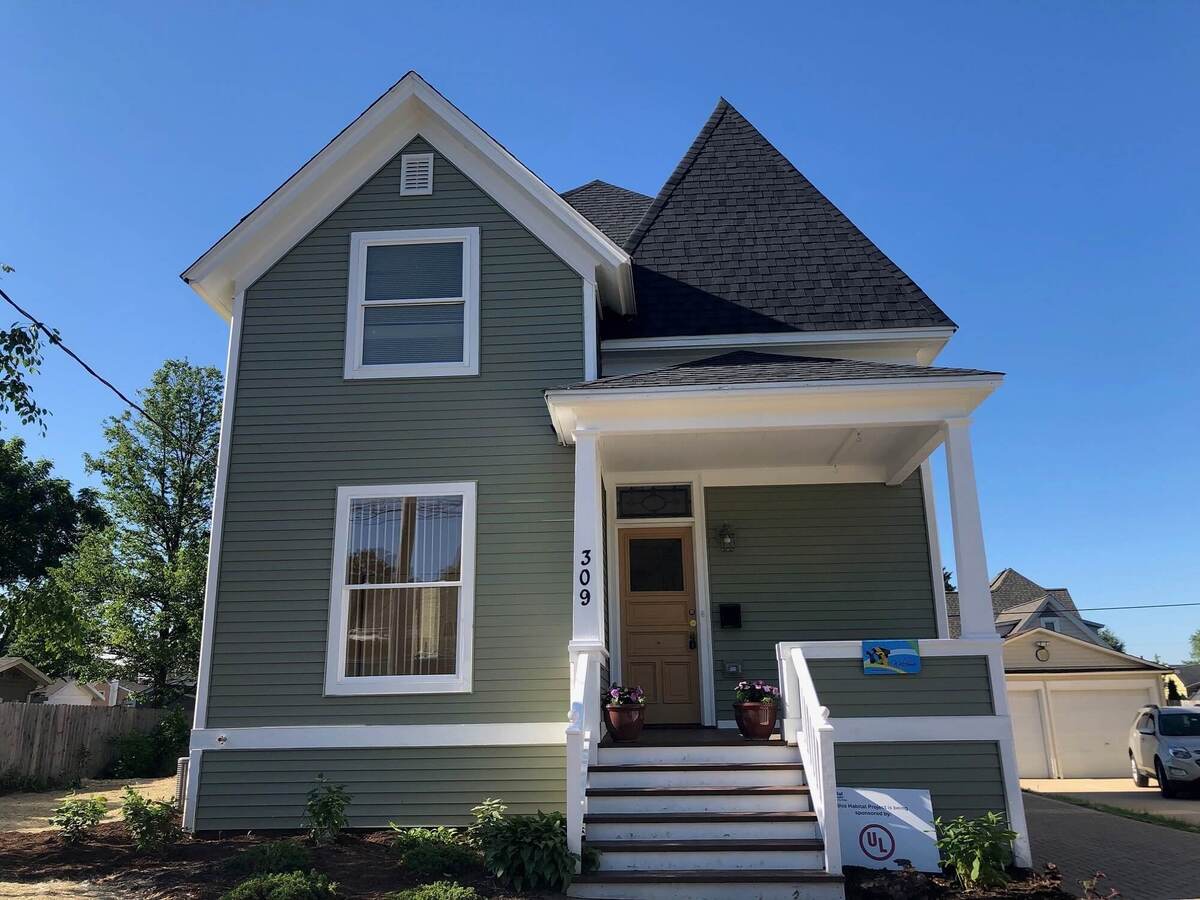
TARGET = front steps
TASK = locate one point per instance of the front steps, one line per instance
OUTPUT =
(706, 822)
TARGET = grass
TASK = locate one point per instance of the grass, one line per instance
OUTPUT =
(1136, 815)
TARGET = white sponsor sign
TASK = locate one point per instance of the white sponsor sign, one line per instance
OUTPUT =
(883, 828)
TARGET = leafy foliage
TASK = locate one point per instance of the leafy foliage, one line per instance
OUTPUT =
(977, 851)
(76, 816)
(271, 857)
(151, 823)
(434, 851)
(624, 695)
(439, 890)
(325, 811)
(1110, 637)
(149, 754)
(528, 852)
(21, 357)
(755, 692)
(948, 579)
(284, 886)
(1194, 643)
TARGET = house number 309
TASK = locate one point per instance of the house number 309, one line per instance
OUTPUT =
(585, 578)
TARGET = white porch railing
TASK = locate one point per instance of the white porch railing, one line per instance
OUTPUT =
(806, 723)
(583, 735)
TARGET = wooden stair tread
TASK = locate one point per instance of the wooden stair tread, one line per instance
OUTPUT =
(707, 876)
(697, 767)
(614, 818)
(651, 846)
(735, 791)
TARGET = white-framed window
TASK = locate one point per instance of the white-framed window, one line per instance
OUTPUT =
(401, 606)
(413, 308)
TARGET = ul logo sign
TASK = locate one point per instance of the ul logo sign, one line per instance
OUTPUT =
(877, 842)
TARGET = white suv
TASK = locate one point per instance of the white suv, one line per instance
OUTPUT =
(1164, 744)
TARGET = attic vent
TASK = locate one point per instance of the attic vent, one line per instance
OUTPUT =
(416, 174)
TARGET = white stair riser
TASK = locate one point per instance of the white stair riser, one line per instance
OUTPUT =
(730, 777)
(749, 860)
(750, 753)
(700, 803)
(695, 831)
(733, 891)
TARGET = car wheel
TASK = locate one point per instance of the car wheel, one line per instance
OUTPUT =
(1164, 784)
(1138, 778)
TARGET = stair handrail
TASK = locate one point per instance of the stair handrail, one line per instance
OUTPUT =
(583, 733)
(814, 737)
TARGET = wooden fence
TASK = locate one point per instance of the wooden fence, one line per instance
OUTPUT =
(58, 743)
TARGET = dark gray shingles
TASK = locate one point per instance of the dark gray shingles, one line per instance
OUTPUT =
(739, 241)
(750, 367)
(614, 210)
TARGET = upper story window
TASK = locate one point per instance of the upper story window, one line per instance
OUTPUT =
(1050, 623)
(401, 611)
(414, 303)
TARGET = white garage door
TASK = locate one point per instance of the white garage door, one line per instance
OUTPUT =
(1026, 710)
(1091, 730)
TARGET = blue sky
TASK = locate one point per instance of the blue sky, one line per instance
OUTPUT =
(1031, 165)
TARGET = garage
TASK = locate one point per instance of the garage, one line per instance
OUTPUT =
(1072, 720)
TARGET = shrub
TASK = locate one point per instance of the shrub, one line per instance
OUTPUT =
(439, 890)
(433, 851)
(76, 816)
(151, 823)
(284, 886)
(274, 856)
(325, 812)
(12, 781)
(148, 754)
(978, 851)
(528, 852)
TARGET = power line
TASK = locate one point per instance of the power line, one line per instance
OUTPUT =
(1144, 606)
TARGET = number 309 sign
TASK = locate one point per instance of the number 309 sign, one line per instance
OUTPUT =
(585, 578)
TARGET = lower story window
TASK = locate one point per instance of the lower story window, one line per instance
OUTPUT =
(403, 584)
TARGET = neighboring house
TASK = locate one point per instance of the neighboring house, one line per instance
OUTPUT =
(72, 692)
(1188, 675)
(19, 679)
(485, 447)
(1072, 697)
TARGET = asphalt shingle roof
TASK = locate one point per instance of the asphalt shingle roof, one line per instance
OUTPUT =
(739, 241)
(614, 210)
(751, 367)
(1011, 589)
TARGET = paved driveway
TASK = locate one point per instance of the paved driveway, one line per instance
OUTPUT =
(1143, 862)
(1120, 792)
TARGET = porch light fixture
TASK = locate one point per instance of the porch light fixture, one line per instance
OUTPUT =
(1042, 652)
(727, 538)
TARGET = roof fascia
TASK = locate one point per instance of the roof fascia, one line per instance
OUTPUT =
(410, 107)
(1109, 650)
(938, 335)
(839, 385)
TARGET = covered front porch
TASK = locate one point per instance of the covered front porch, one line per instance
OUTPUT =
(727, 507)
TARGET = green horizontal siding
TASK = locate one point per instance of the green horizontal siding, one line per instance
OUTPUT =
(945, 686)
(301, 430)
(267, 789)
(964, 778)
(816, 563)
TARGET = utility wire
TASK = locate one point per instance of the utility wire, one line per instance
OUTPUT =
(54, 339)
(1145, 606)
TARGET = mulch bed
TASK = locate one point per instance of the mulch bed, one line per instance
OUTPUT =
(362, 863)
(872, 884)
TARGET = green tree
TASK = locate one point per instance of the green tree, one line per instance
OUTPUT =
(948, 579)
(1110, 637)
(1195, 642)
(20, 357)
(41, 523)
(148, 570)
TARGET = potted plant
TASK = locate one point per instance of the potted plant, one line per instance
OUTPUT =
(756, 708)
(625, 711)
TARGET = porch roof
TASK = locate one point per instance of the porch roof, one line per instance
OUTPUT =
(747, 367)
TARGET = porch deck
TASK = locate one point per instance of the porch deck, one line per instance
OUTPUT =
(666, 736)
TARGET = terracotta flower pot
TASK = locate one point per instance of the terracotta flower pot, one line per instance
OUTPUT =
(756, 721)
(625, 722)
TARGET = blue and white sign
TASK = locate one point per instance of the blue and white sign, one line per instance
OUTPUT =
(891, 657)
(886, 828)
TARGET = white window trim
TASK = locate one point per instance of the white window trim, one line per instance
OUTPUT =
(336, 681)
(356, 302)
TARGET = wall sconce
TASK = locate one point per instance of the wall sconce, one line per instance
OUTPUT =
(726, 537)
(1042, 652)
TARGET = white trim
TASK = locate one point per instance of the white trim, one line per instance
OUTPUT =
(708, 675)
(204, 675)
(683, 342)
(415, 159)
(587, 589)
(935, 550)
(356, 303)
(336, 682)
(591, 357)
(315, 737)
(975, 615)
(932, 380)
(191, 792)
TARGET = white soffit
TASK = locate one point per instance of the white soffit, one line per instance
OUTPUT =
(409, 108)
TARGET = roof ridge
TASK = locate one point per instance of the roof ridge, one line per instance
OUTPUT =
(583, 187)
(600, 182)
(676, 177)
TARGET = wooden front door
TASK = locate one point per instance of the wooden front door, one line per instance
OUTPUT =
(658, 622)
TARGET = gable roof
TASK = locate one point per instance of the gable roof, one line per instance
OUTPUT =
(17, 662)
(1101, 650)
(1017, 599)
(60, 684)
(614, 210)
(748, 367)
(410, 107)
(738, 241)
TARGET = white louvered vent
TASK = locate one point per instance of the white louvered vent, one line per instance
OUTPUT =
(416, 174)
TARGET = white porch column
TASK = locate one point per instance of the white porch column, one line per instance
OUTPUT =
(587, 581)
(974, 594)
